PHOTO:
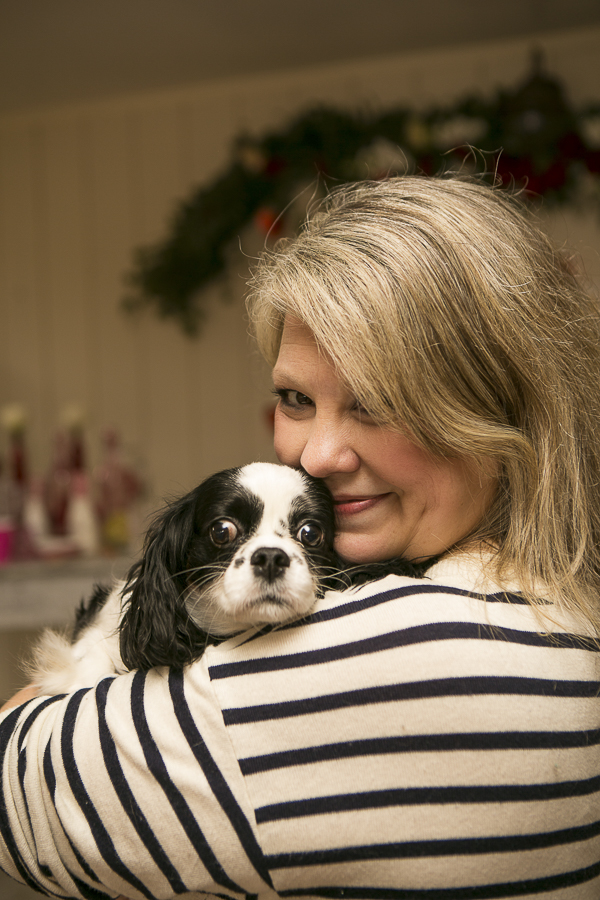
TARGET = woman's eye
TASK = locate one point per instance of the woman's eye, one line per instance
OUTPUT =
(311, 535)
(292, 399)
(360, 409)
(222, 532)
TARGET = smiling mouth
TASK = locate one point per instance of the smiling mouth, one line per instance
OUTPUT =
(351, 506)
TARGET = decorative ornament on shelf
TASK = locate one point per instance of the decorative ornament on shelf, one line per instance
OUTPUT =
(529, 138)
(116, 488)
(13, 485)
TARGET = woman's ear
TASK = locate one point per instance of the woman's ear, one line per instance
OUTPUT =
(156, 628)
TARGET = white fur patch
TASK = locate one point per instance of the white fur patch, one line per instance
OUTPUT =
(241, 599)
(277, 487)
(60, 667)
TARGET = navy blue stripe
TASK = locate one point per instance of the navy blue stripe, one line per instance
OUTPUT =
(421, 743)
(409, 590)
(101, 836)
(176, 799)
(217, 782)
(49, 771)
(90, 893)
(414, 690)
(405, 637)
(428, 796)
(22, 758)
(83, 865)
(35, 712)
(7, 728)
(356, 606)
(127, 798)
(21, 769)
(473, 892)
(518, 843)
(50, 779)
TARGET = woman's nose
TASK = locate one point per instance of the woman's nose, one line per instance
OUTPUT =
(327, 451)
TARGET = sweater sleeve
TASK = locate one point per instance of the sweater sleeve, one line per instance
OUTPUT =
(128, 788)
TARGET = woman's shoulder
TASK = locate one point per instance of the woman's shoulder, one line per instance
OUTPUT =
(458, 594)
(469, 573)
(473, 571)
(452, 590)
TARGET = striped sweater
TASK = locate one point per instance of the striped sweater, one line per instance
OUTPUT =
(410, 739)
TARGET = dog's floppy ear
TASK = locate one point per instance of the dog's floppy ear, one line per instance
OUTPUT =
(156, 628)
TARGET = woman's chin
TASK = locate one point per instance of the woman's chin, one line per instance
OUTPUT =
(355, 548)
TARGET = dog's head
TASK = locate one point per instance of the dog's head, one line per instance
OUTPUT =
(249, 546)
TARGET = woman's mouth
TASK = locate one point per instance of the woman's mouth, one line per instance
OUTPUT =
(351, 506)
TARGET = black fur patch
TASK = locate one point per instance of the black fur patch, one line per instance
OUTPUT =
(88, 609)
(352, 576)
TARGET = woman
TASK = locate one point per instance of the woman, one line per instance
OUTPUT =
(437, 364)
(455, 322)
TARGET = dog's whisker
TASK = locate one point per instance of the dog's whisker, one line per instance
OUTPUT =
(191, 569)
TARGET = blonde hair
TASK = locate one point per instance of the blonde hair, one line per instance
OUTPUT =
(451, 317)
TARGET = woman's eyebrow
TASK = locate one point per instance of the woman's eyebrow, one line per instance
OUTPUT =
(281, 374)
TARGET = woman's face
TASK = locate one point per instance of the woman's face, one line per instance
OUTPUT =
(392, 498)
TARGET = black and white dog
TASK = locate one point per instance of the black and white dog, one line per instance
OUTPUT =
(251, 546)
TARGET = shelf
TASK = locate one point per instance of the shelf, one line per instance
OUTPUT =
(38, 594)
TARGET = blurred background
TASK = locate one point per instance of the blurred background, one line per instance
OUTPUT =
(112, 113)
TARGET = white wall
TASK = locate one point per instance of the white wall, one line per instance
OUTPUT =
(81, 187)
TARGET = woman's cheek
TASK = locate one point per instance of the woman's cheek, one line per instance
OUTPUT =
(287, 439)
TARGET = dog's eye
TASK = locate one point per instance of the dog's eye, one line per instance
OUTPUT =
(311, 535)
(222, 532)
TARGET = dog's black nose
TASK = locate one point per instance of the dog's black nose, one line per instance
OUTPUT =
(269, 562)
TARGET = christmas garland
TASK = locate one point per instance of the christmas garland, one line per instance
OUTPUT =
(529, 137)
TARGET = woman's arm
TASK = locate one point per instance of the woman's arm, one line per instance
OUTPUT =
(131, 787)
(22, 696)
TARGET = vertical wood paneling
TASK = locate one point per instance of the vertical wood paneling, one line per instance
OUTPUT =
(81, 188)
(118, 378)
(26, 367)
(162, 352)
(65, 241)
